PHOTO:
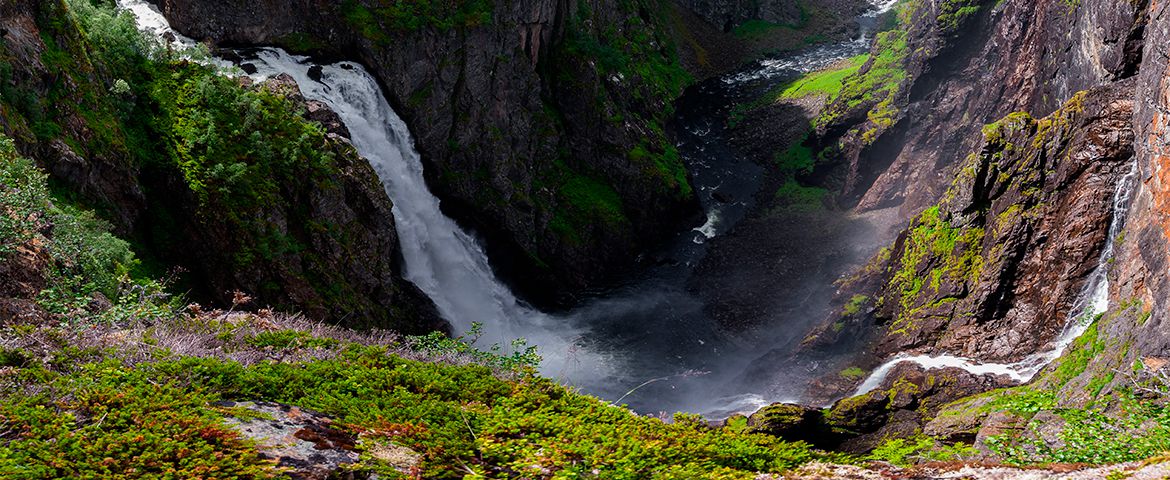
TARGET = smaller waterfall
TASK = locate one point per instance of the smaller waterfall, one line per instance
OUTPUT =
(1093, 301)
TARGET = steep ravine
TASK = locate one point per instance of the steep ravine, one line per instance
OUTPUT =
(1004, 247)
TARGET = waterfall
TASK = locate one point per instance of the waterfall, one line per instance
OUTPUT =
(445, 262)
(1093, 301)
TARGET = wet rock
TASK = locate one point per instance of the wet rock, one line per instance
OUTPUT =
(315, 72)
(902, 406)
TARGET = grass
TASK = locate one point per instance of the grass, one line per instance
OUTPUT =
(143, 403)
(827, 82)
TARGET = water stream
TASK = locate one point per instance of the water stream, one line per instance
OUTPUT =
(651, 330)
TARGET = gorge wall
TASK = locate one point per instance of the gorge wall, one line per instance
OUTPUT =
(314, 236)
(540, 124)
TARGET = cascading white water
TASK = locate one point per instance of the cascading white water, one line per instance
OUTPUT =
(1093, 301)
(818, 58)
(444, 261)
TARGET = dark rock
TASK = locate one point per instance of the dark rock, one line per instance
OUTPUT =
(790, 422)
(902, 406)
(491, 121)
(248, 68)
(315, 72)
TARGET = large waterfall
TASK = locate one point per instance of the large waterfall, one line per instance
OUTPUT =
(444, 261)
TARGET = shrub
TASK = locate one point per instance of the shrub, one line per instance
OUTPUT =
(23, 198)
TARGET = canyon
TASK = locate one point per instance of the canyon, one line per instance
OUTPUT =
(908, 231)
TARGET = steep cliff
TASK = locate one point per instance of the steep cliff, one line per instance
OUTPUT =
(540, 123)
(169, 151)
(896, 131)
(994, 269)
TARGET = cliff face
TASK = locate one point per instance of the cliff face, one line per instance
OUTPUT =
(964, 63)
(540, 123)
(992, 269)
(995, 268)
(324, 244)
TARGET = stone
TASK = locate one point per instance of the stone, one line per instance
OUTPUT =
(302, 440)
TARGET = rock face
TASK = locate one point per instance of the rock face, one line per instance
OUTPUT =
(351, 271)
(350, 274)
(902, 405)
(540, 123)
(728, 14)
(973, 62)
(22, 277)
(994, 270)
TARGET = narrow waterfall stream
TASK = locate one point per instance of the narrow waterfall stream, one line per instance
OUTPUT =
(1093, 301)
(651, 332)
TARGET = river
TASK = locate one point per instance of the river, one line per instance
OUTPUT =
(649, 342)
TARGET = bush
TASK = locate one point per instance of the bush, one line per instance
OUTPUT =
(23, 198)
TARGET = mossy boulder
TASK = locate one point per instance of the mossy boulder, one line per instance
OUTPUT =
(791, 422)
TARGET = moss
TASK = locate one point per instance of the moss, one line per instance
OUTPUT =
(1086, 347)
(159, 417)
(852, 373)
(948, 253)
(855, 304)
(379, 20)
(825, 82)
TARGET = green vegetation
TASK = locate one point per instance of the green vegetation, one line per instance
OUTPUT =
(952, 254)
(24, 195)
(798, 160)
(952, 14)
(133, 104)
(755, 28)
(876, 83)
(86, 260)
(853, 373)
(825, 82)
(1134, 430)
(379, 20)
(137, 407)
(586, 202)
(855, 304)
(907, 451)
